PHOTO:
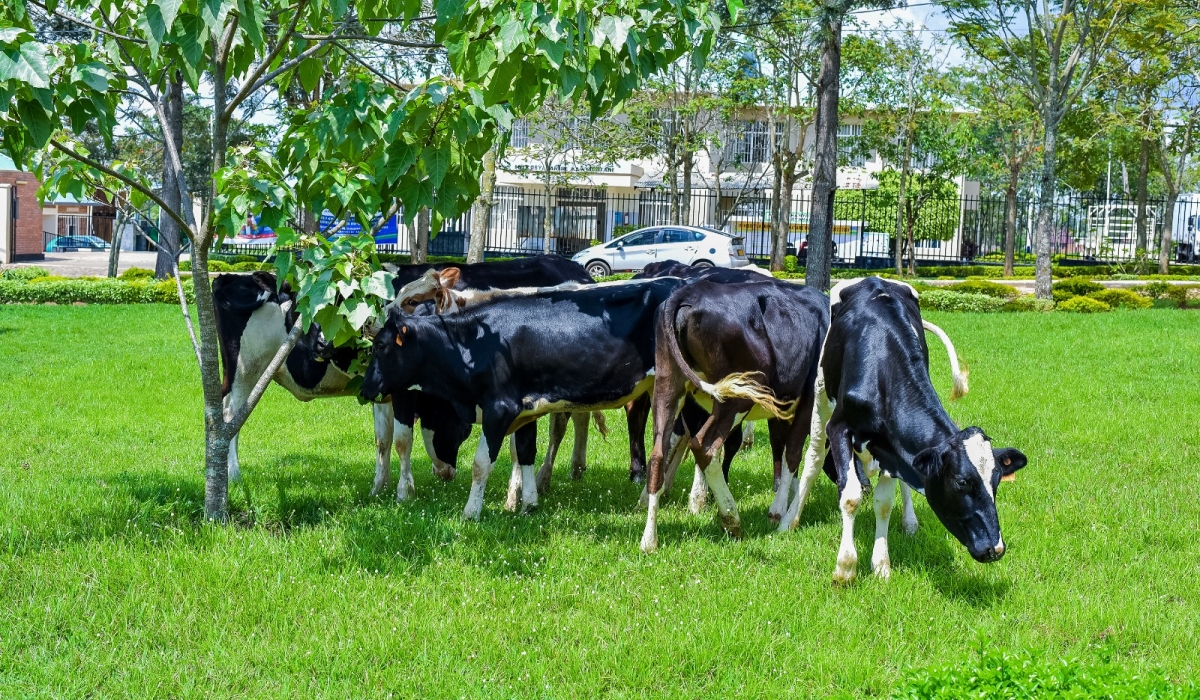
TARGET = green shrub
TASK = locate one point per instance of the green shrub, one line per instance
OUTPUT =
(791, 264)
(946, 300)
(1077, 286)
(1082, 305)
(48, 278)
(1180, 293)
(1124, 298)
(1023, 677)
(1154, 290)
(1028, 303)
(185, 265)
(980, 286)
(615, 276)
(923, 287)
(136, 273)
(250, 266)
(24, 274)
(104, 291)
(1061, 295)
(218, 266)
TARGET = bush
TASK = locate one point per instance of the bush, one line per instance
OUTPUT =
(137, 273)
(1124, 298)
(250, 266)
(946, 300)
(218, 266)
(1154, 290)
(24, 274)
(1180, 293)
(791, 264)
(1028, 303)
(1023, 677)
(980, 286)
(1077, 287)
(104, 291)
(1083, 305)
(48, 278)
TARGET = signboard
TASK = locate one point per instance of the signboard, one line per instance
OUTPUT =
(388, 234)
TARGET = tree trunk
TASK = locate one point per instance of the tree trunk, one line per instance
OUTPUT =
(1045, 216)
(114, 253)
(1143, 175)
(1010, 226)
(781, 220)
(902, 201)
(168, 228)
(1168, 222)
(216, 436)
(548, 225)
(776, 205)
(673, 177)
(910, 222)
(685, 213)
(419, 238)
(820, 227)
(483, 205)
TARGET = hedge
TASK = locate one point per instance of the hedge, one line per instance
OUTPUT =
(1083, 305)
(1023, 677)
(105, 291)
(1124, 298)
(946, 300)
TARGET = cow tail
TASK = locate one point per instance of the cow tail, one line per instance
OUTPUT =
(960, 375)
(739, 385)
(601, 424)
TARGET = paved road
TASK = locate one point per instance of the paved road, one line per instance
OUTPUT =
(94, 262)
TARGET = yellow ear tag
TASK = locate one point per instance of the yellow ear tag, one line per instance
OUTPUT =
(399, 341)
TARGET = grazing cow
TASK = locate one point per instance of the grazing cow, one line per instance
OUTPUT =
(515, 358)
(252, 325)
(875, 401)
(730, 333)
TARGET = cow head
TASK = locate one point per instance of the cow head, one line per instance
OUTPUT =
(437, 285)
(394, 355)
(961, 475)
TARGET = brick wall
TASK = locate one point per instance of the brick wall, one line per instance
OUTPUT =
(29, 244)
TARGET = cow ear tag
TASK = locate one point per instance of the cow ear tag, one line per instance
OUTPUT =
(1008, 477)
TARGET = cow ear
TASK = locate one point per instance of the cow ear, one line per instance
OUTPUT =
(1009, 459)
(449, 277)
(929, 462)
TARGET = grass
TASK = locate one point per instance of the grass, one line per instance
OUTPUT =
(111, 587)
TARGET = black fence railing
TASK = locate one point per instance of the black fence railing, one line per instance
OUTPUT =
(946, 231)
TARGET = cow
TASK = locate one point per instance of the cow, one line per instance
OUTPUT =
(515, 358)
(876, 412)
(758, 343)
(253, 320)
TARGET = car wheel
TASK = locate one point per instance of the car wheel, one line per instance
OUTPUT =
(597, 268)
(702, 264)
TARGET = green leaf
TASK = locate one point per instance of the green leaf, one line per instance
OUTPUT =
(357, 312)
(35, 120)
(616, 29)
(380, 284)
(153, 26)
(310, 70)
(168, 9)
(27, 64)
(250, 21)
(190, 36)
(436, 161)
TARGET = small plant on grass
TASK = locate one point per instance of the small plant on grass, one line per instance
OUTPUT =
(1082, 305)
(945, 300)
(24, 274)
(1153, 290)
(1028, 303)
(1180, 293)
(1123, 298)
(139, 273)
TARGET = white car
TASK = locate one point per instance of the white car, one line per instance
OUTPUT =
(691, 245)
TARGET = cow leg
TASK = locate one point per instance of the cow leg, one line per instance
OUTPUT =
(814, 456)
(668, 392)
(747, 439)
(235, 473)
(698, 496)
(514, 479)
(712, 436)
(579, 448)
(850, 494)
(677, 448)
(558, 428)
(909, 521)
(383, 418)
(787, 445)
(778, 431)
(524, 449)
(637, 412)
(884, 496)
(485, 460)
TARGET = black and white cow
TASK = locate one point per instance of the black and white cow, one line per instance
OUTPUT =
(877, 413)
(513, 359)
(740, 351)
(252, 325)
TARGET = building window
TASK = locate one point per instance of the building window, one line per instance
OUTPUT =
(755, 144)
(848, 137)
(519, 138)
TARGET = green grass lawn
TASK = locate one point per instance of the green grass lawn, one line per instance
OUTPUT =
(111, 587)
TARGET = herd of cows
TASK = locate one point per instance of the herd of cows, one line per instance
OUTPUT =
(702, 351)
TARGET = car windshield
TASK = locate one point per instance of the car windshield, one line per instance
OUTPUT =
(635, 238)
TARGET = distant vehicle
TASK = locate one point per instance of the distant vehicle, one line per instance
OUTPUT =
(66, 244)
(692, 245)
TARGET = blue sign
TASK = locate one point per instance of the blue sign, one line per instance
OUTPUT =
(387, 234)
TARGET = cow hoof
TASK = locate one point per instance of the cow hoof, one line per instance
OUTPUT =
(774, 518)
(910, 527)
(510, 503)
(637, 477)
(883, 570)
(543, 484)
(445, 472)
(843, 578)
(528, 508)
(471, 515)
(644, 499)
(377, 489)
(404, 491)
(733, 526)
(577, 472)
(696, 505)
(649, 544)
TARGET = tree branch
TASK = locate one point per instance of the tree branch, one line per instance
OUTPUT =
(123, 178)
(384, 219)
(186, 317)
(370, 68)
(375, 39)
(249, 86)
(235, 423)
(94, 28)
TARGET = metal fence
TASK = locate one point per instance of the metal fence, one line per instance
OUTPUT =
(946, 231)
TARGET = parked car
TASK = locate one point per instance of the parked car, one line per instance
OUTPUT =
(692, 245)
(72, 243)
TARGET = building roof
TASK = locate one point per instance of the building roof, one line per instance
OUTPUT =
(7, 163)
